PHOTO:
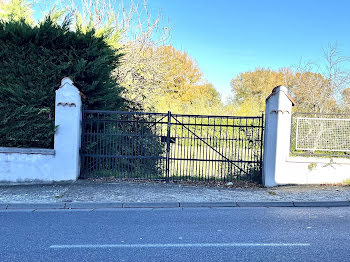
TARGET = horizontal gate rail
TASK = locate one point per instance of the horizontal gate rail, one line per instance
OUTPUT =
(122, 112)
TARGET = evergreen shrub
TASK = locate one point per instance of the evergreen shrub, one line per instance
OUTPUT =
(33, 60)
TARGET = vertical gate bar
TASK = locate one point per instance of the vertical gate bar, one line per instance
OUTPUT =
(163, 160)
(178, 151)
(244, 142)
(193, 154)
(131, 145)
(82, 144)
(227, 148)
(112, 148)
(239, 145)
(101, 136)
(117, 147)
(206, 152)
(202, 163)
(168, 147)
(257, 145)
(138, 145)
(224, 149)
(234, 144)
(125, 160)
(190, 162)
(104, 145)
(251, 150)
(192, 147)
(196, 151)
(175, 154)
(98, 142)
(251, 145)
(171, 152)
(215, 155)
(183, 142)
(210, 152)
(128, 144)
(261, 144)
(249, 129)
(91, 141)
(184, 145)
(143, 143)
(154, 141)
(135, 141)
(221, 151)
(230, 145)
(87, 141)
(185, 138)
(109, 132)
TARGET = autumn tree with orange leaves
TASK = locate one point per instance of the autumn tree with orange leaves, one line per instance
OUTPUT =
(315, 88)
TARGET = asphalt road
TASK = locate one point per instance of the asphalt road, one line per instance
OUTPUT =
(178, 234)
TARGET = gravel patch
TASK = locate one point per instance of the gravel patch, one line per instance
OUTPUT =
(158, 192)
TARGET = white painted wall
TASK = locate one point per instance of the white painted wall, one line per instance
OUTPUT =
(58, 164)
(281, 169)
(313, 170)
(24, 165)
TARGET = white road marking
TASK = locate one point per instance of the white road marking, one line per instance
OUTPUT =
(183, 245)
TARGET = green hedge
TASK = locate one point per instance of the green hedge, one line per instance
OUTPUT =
(33, 60)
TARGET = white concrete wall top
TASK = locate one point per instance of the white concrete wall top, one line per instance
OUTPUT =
(40, 151)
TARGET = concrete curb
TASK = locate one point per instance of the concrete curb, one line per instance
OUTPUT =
(208, 204)
(265, 204)
(92, 206)
(151, 205)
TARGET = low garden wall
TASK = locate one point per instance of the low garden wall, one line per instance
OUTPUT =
(315, 170)
(26, 164)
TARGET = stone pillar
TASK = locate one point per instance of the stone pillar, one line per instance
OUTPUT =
(68, 134)
(278, 114)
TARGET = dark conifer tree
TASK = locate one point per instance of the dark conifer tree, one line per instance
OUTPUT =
(33, 60)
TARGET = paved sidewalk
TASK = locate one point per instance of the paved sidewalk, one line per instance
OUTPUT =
(84, 191)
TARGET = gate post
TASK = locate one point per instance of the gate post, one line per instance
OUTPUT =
(278, 113)
(68, 134)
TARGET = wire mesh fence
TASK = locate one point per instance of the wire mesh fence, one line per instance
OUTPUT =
(320, 134)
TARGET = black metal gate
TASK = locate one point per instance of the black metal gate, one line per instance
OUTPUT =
(171, 146)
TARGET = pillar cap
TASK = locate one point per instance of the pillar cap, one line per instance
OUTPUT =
(282, 89)
(66, 80)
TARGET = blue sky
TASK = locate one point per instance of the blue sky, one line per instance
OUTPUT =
(227, 37)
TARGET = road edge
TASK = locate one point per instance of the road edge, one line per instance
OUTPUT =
(120, 205)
